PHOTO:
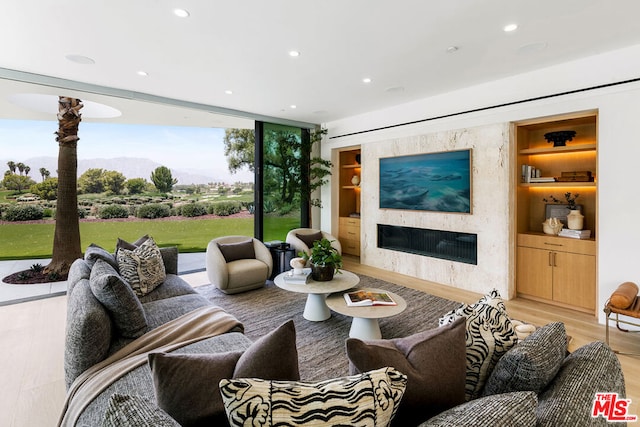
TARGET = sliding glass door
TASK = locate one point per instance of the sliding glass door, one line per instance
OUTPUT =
(282, 180)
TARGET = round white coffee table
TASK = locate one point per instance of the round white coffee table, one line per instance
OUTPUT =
(316, 308)
(365, 319)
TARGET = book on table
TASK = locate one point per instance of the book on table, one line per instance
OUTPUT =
(368, 298)
(300, 279)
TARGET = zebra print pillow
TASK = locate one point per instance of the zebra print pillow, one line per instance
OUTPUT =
(489, 335)
(368, 399)
(142, 267)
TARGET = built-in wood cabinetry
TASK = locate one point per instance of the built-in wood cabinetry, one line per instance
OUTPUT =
(349, 201)
(553, 269)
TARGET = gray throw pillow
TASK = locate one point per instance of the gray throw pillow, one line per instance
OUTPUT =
(310, 238)
(235, 251)
(531, 364)
(134, 411)
(95, 252)
(434, 362)
(116, 295)
(186, 385)
(511, 409)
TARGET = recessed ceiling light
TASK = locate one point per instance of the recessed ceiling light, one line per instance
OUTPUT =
(181, 13)
(294, 53)
(293, 107)
(80, 59)
(228, 92)
(366, 80)
(452, 49)
(510, 27)
(142, 73)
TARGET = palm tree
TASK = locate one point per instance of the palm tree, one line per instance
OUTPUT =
(44, 173)
(27, 169)
(20, 167)
(12, 166)
(66, 239)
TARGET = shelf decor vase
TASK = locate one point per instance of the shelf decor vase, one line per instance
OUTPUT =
(552, 226)
(575, 220)
(355, 180)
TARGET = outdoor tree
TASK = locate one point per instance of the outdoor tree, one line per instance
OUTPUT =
(18, 183)
(47, 189)
(91, 182)
(21, 167)
(162, 179)
(113, 181)
(239, 147)
(12, 166)
(135, 185)
(66, 238)
(44, 173)
(27, 169)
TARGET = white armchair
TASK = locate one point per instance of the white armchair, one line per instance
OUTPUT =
(301, 238)
(238, 263)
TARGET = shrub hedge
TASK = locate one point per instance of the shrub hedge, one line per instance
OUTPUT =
(153, 210)
(113, 211)
(23, 213)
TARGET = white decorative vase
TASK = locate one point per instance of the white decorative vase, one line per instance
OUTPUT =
(575, 220)
(355, 180)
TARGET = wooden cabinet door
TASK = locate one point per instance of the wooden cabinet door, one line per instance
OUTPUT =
(574, 279)
(534, 274)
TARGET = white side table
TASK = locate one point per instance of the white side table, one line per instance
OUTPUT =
(316, 308)
(365, 324)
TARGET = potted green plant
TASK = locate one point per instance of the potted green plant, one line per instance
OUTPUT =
(325, 260)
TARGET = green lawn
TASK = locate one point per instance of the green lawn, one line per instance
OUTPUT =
(26, 241)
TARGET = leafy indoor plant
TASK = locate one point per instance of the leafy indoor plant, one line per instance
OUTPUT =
(325, 260)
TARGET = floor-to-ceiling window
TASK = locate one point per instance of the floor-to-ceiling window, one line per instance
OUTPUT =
(282, 164)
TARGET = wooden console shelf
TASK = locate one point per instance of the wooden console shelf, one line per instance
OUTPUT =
(349, 201)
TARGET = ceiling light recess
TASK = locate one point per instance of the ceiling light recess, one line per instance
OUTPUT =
(294, 53)
(181, 13)
(366, 80)
(510, 27)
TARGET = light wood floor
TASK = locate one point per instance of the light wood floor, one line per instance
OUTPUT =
(32, 344)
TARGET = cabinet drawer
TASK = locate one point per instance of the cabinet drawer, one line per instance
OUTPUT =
(346, 221)
(350, 246)
(560, 244)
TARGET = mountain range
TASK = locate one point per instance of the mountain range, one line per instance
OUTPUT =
(130, 167)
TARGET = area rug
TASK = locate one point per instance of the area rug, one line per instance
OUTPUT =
(321, 345)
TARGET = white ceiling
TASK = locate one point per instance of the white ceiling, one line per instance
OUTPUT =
(243, 45)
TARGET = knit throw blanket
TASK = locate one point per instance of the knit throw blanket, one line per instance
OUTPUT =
(197, 325)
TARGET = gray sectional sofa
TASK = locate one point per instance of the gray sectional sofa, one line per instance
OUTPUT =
(535, 383)
(92, 335)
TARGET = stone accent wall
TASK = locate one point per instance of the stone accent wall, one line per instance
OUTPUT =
(490, 216)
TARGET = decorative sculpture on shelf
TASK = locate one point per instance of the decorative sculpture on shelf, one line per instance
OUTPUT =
(560, 137)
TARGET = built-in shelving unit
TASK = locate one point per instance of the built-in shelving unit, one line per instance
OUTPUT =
(549, 268)
(349, 201)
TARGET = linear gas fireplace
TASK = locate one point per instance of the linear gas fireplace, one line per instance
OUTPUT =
(451, 245)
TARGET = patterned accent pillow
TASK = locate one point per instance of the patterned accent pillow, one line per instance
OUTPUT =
(489, 335)
(370, 399)
(142, 267)
(134, 411)
(532, 364)
(125, 309)
(511, 409)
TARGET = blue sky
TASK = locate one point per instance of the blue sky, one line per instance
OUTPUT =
(187, 148)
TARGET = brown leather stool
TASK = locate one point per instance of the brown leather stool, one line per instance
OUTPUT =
(623, 301)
